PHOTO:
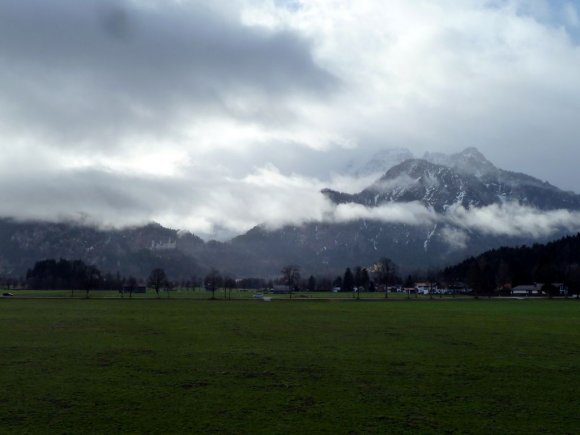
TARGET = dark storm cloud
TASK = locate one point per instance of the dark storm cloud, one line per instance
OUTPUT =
(91, 71)
(230, 113)
(89, 192)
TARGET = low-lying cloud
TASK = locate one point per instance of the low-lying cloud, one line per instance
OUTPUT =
(509, 219)
(214, 203)
(409, 213)
(513, 219)
(130, 111)
(399, 183)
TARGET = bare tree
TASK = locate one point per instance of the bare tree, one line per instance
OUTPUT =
(131, 284)
(91, 279)
(229, 284)
(291, 277)
(387, 270)
(213, 281)
(157, 280)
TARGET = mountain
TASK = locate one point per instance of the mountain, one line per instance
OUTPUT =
(433, 185)
(328, 248)
(380, 162)
(469, 161)
(554, 262)
(132, 251)
(467, 178)
(507, 185)
(439, 182)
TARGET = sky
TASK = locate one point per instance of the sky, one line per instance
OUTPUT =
(217, 116)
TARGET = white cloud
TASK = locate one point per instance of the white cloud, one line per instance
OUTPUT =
(411, 213)
(181, 112)
(401, 183)
(512, 219)
(508, 219)
(442, 75)
(457, 239)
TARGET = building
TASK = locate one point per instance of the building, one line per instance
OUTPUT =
(535, 289)
(425, 288)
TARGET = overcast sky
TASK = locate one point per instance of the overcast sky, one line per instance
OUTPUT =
(217, 116)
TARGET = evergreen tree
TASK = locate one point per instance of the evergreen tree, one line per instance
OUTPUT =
(311, 284)
(131, 285)
(365, 279)
(348, 281)
(357, 277)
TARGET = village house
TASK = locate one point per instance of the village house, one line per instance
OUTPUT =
(425, 288)
(535, 289)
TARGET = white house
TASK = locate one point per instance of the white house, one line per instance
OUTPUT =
(425, 287)
(535, 289)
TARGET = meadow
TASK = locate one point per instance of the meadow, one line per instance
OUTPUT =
(196, 366)
(233, 294)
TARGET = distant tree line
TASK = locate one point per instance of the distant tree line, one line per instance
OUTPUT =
(378, 277)
(493, 272)
(75, 275)
(499, 270)
(9, 282)
(68, 275)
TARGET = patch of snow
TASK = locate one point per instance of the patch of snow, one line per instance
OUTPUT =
(431, 233)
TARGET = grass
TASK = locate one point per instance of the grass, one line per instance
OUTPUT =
(184, 366)
(199, 293)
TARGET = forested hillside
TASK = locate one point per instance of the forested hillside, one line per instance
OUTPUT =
(557, 261)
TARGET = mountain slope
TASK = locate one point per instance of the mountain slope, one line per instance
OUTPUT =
(439, 182)
(132, 251)
(381, 162)
(466, 179)
(557, 261)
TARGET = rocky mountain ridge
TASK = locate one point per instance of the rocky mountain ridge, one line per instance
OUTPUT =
(466, 178)
(439, 182)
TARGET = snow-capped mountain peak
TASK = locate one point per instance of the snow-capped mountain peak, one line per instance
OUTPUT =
(469, 161)
(466, 178)
(382, 161)
(434, 185)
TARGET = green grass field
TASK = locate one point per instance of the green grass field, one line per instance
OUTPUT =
(199, 293)
(193, 366)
